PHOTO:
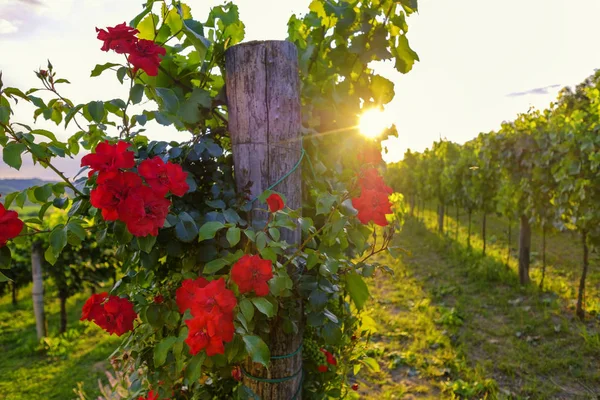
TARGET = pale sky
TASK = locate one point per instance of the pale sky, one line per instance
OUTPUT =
(482, 61)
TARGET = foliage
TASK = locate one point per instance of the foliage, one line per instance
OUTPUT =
(207, 228)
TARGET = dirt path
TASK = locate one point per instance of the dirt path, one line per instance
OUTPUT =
(450, 326)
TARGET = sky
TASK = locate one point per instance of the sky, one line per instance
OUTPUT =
(482, 61)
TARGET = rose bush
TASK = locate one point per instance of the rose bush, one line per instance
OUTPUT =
(200, 283)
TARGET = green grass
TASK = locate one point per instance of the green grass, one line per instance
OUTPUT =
(29, 370)
(453, 324)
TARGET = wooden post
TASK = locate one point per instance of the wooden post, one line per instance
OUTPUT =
(37, 292)
(265, 125)
(524, 250)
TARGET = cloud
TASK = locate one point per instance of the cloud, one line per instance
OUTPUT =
(7, 27)
(541, 90)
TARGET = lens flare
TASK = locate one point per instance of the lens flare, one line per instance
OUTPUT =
(373, 122)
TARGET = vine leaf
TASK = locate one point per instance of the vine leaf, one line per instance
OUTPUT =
(257, 349)
(357, 288)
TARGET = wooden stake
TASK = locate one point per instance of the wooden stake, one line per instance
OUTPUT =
(265, 125)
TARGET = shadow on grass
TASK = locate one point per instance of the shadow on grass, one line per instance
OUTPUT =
(522, 337)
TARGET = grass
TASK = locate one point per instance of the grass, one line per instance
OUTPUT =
(454, 324)
(50, 370)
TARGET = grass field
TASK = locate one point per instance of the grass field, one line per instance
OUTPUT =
(454, 324)
(451, 324)
(50, 371)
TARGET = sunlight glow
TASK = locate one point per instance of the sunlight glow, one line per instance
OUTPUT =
(373, 122)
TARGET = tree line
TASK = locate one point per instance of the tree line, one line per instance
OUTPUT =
(541, 169)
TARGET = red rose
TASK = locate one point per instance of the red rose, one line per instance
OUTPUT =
(119, 315)
(159, 299)
(236, 373)
(372, 205)
(213, 298)
(185, 295)
(144, 211)
(209, 332)
(120, 38)
(93, 308)
(163, 178)
(10, 225)
(144, 55)
(330, 358)
(111, 313)
(152, 395)
(355, 387)
(323, 368)
(252, 273)
(109, 157)
(371, 179)
(113, 188)
(275, 202)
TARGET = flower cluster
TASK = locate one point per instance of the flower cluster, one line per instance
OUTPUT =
(373, 203)
(111, 313)
(121, 195)
(330, 360)
(252, 273)
(10, 225)
(211, 303)
(142, 54)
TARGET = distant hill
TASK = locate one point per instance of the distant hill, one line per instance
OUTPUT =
(16, 185)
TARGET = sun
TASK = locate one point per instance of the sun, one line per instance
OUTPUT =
(373, 122)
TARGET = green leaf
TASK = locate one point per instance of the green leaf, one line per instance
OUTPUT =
(405, 56)
(100, 68)
(11, 154)
(324, 203)
(193, 31)
(190, 110)
(136, 93)
(4, 278)
(72, 112)
(169, 99)
(357, 288)
(194, 368)
(257, 349)
(209, 230)
(264, 306)
(121, 72)
(45, 133)
(274, 232)
(186, 229)
(382, 89)
(147, 27)
(4, 114)
(96, 110)
(146, 243)
(5, 258)
(134, 22)
(214, 266)
(162, 349)
(371, 363)
(233, 236)
(247, 309)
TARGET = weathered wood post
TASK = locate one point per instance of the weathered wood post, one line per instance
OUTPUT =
(265, 126)
(37, 292)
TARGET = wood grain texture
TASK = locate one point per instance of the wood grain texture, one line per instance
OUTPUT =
(265, 125)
